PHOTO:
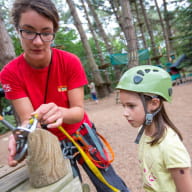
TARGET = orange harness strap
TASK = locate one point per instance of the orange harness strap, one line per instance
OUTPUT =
(92, 152)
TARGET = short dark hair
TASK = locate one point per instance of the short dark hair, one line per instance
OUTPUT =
(45, 8)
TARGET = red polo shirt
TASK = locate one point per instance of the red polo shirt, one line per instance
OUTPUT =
(20, 80)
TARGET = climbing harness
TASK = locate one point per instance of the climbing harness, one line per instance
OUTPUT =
(98, 154)
(87, 159)
(70, 152)
(21, 135)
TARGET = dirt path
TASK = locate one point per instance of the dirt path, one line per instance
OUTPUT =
(107, 116)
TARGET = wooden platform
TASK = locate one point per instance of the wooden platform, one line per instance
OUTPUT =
(17, 180)
(12, 176)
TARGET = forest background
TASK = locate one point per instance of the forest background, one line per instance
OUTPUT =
(110, 36)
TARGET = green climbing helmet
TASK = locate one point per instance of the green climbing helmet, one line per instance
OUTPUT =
(147, 79)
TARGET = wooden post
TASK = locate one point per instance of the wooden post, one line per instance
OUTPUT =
(45, 160)
(46, 168)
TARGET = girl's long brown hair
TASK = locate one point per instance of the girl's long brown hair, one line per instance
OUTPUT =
(161, 122)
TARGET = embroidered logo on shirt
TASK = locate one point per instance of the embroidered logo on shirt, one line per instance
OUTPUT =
(6, 87)
(62, 88)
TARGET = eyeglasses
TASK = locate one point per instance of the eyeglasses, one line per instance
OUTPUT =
(30, 35)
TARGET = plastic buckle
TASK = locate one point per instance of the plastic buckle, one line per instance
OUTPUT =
(149, 119)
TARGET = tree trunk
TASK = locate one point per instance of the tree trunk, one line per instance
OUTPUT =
(103, 36)
(100, 55)
(115, 7)
(115, 4)
(7, 51)
(101, 88)
(141, 25)
(165, 35)
(100, 27)
(168, 27)
(149, 29)
(130, 32)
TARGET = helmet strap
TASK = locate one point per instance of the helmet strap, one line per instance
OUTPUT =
(148, 118)
(140, 134)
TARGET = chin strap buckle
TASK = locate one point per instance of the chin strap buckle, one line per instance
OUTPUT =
(149, 118)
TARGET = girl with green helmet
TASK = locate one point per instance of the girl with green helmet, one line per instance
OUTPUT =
(164, 160)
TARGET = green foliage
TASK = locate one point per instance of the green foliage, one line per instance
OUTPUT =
(11, 120)
(17, 45)
(184, 28)
(118, 45)
(69, 40)
(4, 102)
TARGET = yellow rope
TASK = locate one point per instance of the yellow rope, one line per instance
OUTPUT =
(91, 165)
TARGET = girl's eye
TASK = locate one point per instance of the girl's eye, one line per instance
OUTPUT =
(131, 106)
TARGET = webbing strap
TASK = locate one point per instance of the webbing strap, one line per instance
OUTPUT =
(96, 141)
(140, 134)
(100, 162)
(148, 118)
(90, 164)
(143, 126)
(108, 147)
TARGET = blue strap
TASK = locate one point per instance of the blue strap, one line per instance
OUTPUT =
(95, 140)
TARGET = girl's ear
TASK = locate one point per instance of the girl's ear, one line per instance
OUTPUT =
(154, 104)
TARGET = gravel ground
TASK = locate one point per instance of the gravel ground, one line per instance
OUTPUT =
(107, 116)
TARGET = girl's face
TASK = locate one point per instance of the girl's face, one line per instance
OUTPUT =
(133, 108)
(37, 52)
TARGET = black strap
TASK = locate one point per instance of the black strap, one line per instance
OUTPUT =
(143, 127)
(148, 120)
(46, 85)
(140, 134)
(44, 126)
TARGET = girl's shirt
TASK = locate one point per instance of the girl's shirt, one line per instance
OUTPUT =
(49, 84)
(156, 160)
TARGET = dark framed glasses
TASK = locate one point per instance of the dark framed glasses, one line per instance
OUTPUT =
(30, 35)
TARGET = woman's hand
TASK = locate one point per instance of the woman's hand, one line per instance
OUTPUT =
(53, 115)
(12, 151)
(50, 114)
